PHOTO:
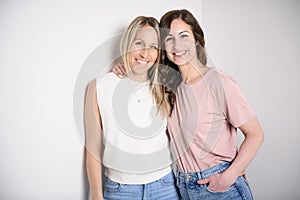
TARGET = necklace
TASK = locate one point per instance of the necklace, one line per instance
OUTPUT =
(138, 90)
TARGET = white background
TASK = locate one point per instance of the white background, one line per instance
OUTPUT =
(44, 44)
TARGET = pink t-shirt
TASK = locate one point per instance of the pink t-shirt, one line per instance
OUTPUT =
(204, 121)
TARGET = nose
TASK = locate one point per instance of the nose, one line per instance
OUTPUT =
(144, 53)
(176, 44)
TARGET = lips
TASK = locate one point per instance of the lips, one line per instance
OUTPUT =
(141, 62)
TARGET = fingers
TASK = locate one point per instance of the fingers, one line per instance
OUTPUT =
(116, 71)
(203, 181)
(121, 68)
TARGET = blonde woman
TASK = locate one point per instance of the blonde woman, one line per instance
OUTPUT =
(130, 113)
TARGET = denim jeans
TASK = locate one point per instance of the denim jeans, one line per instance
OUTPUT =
(162, 189)
(189, 189)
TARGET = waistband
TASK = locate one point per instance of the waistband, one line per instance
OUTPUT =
(131, 178)
(194, 176)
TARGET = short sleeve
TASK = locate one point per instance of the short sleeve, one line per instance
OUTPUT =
(238, 110)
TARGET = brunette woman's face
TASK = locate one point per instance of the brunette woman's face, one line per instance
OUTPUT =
(144, 50)
(180, 43)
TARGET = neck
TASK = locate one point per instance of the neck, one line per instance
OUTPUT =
(138, 77)
(192, 71)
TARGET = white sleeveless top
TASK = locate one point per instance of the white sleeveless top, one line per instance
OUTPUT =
(136, 147)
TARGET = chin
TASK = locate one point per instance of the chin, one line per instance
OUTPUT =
(180, 62)
(140, 71)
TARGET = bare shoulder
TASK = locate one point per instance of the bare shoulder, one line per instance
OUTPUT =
(92, 84)
(91, 87)
(91, 105)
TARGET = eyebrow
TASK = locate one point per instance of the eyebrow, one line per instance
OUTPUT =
(180, 32)
(183, 32)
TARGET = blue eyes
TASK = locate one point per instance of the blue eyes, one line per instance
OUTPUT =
(141, 44)
(154, 47)
(138, 43)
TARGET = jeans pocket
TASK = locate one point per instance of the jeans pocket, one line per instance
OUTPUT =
(168, 180)
(216, 192)
(112, 186)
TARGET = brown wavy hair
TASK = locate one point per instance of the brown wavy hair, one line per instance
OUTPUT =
(169, 72)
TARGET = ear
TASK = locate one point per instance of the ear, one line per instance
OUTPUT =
(196, 43)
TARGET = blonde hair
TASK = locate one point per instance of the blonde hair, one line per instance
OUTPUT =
(157, 89)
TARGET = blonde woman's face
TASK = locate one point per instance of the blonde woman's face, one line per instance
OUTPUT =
(180, 43)
(144, 50)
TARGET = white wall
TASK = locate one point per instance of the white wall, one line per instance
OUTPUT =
(44, 54)
(45, 47)
(257, 42)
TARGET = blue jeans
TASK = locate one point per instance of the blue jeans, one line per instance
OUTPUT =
(189, 189)
(162, 189)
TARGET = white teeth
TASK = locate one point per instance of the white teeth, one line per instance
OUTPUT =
(141, 61)
(179, 53)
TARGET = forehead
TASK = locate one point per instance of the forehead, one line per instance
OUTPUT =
(177, 25)
(147, 33)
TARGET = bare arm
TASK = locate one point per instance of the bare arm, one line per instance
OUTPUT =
(93, 141)
(254, 137)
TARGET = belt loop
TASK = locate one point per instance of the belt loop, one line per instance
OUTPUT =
(199, 175)
(177, 177)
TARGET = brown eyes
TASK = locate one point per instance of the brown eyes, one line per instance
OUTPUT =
(171, 38)
(184, 36)
(168, 39)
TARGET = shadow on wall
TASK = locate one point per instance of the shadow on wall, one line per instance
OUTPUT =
(98, 63)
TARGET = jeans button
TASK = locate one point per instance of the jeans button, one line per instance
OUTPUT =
(188, 177)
